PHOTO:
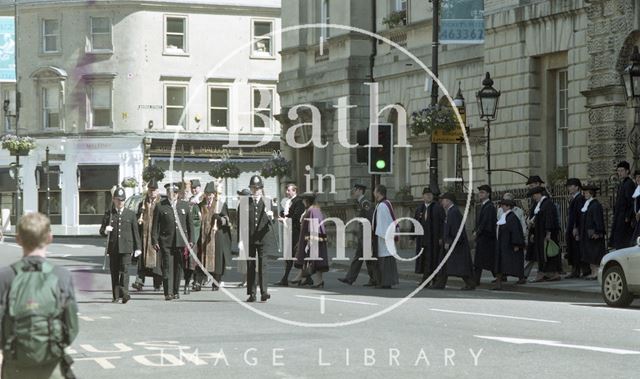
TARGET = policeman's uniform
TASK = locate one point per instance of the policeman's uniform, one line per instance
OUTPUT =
(124, 240)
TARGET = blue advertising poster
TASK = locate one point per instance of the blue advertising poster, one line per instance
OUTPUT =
(462, 22)
(7, 49)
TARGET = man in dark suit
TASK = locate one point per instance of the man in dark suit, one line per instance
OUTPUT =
(121, 227)
(364, 210)
(623, 212)
(430, 215)
(258, 217)
(170, 240)
(485, 234)
(293, 210)
(572, 232)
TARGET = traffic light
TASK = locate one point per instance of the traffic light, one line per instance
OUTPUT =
(381, 156)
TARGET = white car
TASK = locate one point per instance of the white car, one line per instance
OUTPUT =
(619, 276)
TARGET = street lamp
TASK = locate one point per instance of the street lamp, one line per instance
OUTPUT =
(631, 78)
(458, 101)
(488, 106)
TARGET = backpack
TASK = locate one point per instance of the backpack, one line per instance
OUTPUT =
(32, 327)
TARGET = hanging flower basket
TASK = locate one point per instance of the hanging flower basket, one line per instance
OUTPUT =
(435, 117)
(152, 172)
(395, 18)
(18, 146)
(225, 169)
(129, 182)
(276, 166)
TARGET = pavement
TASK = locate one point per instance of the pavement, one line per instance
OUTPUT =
(343, 331)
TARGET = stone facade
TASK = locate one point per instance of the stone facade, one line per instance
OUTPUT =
(556, 63)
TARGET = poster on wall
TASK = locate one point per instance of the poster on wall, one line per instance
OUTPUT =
(462, 22)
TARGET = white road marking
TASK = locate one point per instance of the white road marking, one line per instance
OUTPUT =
(525, 341)
(322, 303)
(496, 316)
(636, 330)
(86, 318)
(74, 246)
(105, 317)
(58, 255)
(336, 300)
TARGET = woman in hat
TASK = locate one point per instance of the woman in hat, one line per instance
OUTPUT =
(510, 247)
(592, 231)
(310, 242)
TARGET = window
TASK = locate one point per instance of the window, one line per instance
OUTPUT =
(175, 35)
(101, 34)
(100, 105)
(8, 193)
(50, 36)
(94, 185)
(262, 39)
(175, 105)
(400, 5)
(54, 192)
(562, 119)
(218, 107)
(9, 109)
(51, 107)
(262, 107)
(324, 19)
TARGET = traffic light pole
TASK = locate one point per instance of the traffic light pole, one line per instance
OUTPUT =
(433, 157)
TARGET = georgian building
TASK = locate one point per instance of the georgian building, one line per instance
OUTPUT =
(110, 86)
(558, 65)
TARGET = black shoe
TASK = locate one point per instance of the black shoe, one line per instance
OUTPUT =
(196, 287)
(370, 284)
(137, 286)
(114, 300)
(306, 282)
(251, 299)
(125, 299)
(168, 297)
(319, 285)
(282, 283)
(522, 281)
(265, 297)
(176, 296)
(345, 281)
(214, 287)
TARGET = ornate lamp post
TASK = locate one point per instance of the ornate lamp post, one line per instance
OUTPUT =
(488, 106)
(631, 78)
(458, 101)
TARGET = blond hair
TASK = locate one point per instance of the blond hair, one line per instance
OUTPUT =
(33, 231)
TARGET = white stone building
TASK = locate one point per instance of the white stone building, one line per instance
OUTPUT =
(109, 85)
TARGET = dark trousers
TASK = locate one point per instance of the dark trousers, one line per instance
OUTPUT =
(288, 265)
(172, 268)
(256, 251)
(119, 267)
(142, 274)
(356, 266)
(441, 281)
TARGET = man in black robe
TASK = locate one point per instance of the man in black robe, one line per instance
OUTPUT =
(623, 213)
(545, 228)
(592, 231)
(431, 216)
(510, 246)
(485, 234)
(534, 181)
(576, 202)
(459, 262)
(293, 211)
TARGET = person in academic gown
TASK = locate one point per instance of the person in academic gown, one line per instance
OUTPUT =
(150, 262)
(459, 262)
(306, 242)
(545, 227)
(533, 181)
(485, 233)
(430, 215)
(623, 214)
(592, 231)
(290, 216)
(573, 229)
(196, 219)
(383, 217)
(510, 247)
(636, 209)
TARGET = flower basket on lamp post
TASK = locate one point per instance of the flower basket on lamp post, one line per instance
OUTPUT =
(225, 169)
(152, 172)
(18, 146)
(431, 118)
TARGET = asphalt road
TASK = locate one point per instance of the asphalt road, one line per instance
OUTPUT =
(450, 333)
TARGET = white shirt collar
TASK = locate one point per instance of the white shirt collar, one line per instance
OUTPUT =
(535, 211)
(503, 218)
(586, 205)
(637, 192)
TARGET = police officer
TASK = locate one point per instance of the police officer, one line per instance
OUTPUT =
(169, 241)
(260, 217)
(364, 210)
(121, 225)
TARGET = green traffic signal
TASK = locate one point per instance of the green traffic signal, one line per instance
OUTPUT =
(380, 164)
